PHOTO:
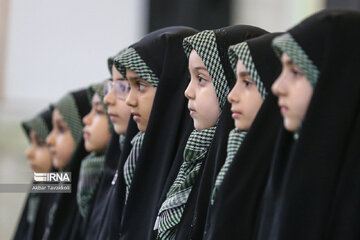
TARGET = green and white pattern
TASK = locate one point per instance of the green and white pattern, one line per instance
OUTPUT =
(130, 59)
(241, 51)
(235, 139)
(204, 43)
(68, 109)
(90, 172)
(172, 208)
(38, 125)
(110, 60)
(130, 163)
(287, 44)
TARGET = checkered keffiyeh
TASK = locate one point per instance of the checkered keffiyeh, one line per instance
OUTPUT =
(38, 125)
(172, 208)
(286, 44)
(130, 164)
(235, 139)
(110, 60)
(131, 59)
(241, 51)
(90, 172)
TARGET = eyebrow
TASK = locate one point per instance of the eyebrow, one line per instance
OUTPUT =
(60, 122)
(121, 79)
(201, 68)
(289, 62)
(97, 103)
(243, 74)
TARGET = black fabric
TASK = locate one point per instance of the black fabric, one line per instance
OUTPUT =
(200, 14)
(162, 52)
(67, 220)
(99, 222)
(194, 216)
(237, 204)
(26, 230)
(313, 188)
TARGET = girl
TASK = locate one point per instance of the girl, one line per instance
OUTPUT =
(206, 94)
(240, 183)
(156, 69)
(115, 92)
(313, 190)
(67, 148)
(39, 157)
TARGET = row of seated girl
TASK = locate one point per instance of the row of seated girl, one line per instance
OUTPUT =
(233, 133)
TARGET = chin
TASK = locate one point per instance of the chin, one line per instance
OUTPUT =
(290, 125)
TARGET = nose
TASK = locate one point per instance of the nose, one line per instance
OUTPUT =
(131, 99)
(50, 140)
(279, 86)
(234, 94)
(190, 91)
(87, 119)
(30, 152)
(109, 98)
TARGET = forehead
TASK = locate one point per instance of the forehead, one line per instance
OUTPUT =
(195, 61)
(57, 115)
(240, 67)
(285, 58)
(115, 73)
(96, 97)
(131, 74)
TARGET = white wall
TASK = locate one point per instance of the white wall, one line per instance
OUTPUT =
(58, 45)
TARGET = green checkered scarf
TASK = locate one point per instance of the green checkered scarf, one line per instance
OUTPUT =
(130, 164)
(130, 59)
(90, 172)
(241, 51)
(287, 44)
(110, 61)
(38, 125)
(235, 139)
(68, 109)
(98, 88)
(204, 43)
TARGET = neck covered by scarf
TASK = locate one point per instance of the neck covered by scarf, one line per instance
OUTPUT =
(130, 164)
(204, 43)
(236, 137)
(90, 172)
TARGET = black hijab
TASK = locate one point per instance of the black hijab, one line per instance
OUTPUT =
(64, 219)
(193, 220)
(162, 52)
(236, 206)
(36, 203)
(313, 188)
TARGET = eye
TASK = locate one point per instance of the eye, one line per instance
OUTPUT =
(296, 72)
(247, 83)
(202, 80)
(99, 111)
(141, 86)
(62, 129)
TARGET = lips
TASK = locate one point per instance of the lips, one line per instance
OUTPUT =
(283, 108)
(52, 152)
(136, 116)
(235, 113)
(86, 134)
(192, 111)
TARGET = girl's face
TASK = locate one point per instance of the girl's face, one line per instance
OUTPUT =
(203, 104)
(60, 140)
(116, 93)
(96, 130)
(38, 154)
(140, 99)
(245, 99)
(294, 91)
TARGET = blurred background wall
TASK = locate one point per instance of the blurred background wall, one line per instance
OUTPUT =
(50, 47)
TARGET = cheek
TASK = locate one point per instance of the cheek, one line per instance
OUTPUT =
(208, 104)
(301, 100)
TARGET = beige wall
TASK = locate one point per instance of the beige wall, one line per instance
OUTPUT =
(274, 15)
